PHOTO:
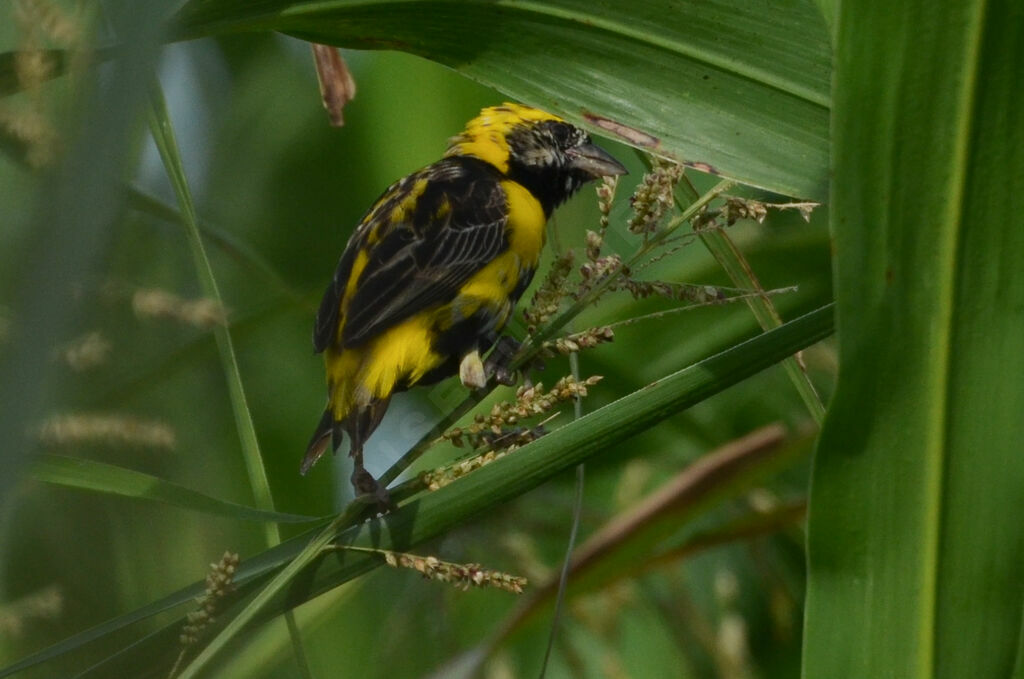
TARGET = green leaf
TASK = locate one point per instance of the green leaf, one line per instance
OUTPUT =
(722, 84)
(107, 478)
(914, 533)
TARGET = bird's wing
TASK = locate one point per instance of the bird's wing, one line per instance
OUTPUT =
(325, 327)
(451, 228)
(328, 317)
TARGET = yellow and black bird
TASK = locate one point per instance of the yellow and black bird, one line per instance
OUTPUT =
(434, 269)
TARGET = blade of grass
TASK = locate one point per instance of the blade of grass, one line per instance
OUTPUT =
(167, 145)
(83, 474)
(1018, 666)
(163, 135)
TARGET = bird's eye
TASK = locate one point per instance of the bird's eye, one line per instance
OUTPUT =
(563, 135)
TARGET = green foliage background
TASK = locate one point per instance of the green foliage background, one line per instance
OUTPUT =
(277, 193)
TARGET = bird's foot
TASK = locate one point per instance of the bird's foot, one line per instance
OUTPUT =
(373, 491)
(499, 363)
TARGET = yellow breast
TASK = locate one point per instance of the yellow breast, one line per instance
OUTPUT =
(526, 220)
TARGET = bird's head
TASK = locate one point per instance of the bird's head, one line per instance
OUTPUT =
(547, 155)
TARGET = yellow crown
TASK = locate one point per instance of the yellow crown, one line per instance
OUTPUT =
(485, 136)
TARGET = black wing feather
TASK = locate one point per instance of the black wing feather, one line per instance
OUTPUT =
(430, 268)
(423, 261)
(326, 325)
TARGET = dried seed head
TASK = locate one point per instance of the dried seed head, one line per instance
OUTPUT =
(51, 20)
(552, 291)
(743, 208)
(37, 606)
(501, 431)
(700, 294)
(605, 199)
(219, 584)
(34, 130)
(201, 313)
(606, 194)
(108, 429)
(654, 196)
(87, 351)
(581, 340)
(597, 272)
(594, 243)
(462, 576)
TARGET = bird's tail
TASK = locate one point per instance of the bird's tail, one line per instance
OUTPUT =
(328, 433)
(359, 423)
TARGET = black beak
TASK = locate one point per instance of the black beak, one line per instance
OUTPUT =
(594, 161)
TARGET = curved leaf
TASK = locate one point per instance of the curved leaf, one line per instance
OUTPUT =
(915, 542)
(74, 472)
(723, 84)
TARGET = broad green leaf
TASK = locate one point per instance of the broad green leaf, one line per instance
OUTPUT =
(915, 539)
(85, 474)
(1018, 668)
(737, 88)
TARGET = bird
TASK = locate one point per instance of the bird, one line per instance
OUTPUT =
(434, 269)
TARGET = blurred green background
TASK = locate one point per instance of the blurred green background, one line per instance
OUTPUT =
(278, 192)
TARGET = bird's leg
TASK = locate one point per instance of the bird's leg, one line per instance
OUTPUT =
(364, 484)
(499, 363)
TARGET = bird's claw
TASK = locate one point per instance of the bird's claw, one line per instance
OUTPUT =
(499, 362)
(368, 487)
